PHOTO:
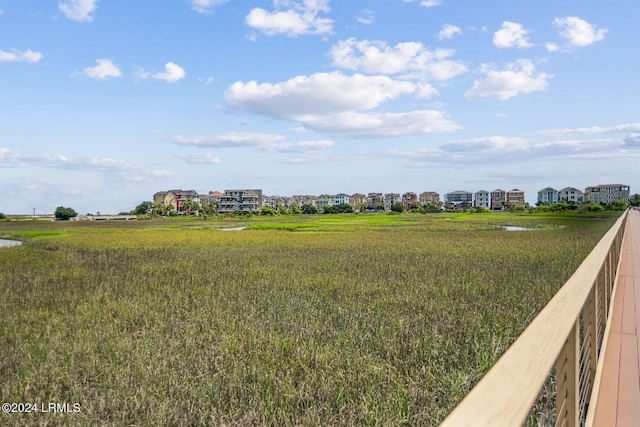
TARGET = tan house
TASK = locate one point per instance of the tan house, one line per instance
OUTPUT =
(175, 198)
(515, 197)
(374, 200)
(429, 198)
(357, 201)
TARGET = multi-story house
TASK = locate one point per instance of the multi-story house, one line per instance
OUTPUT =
(175, 199)
(390, 199)
(340, 199)
(482, 199)
(498, 199)
(357, 201)
(607, 193)
(408, 198)
(241, 200)
(548, 195)
(274, 202)
(301, 200)
(571, 195)
(515, 197)
(324, 200)
(374, 201)
(429, 198)
(458, 200)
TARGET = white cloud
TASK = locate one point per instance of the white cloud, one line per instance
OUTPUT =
(173, 73)
(103, 70)
(516, 79)
(593, 130)
(296, 18)
(498, 149)
(123, 169)
(205, 6)
(332, 103)
(408, 59)
(426, 3)
(552, 47)
(16, 55)
(266, 142)
(579, 32)
(365, 17)
(78, 10)
(379, 125)
(202, 158)
(448, 31)
(231, 139)
(318, 94)
(511, 35)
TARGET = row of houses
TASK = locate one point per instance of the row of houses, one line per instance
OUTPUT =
(248, 200)
(608, 193)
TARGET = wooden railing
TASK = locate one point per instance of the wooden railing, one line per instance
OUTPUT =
(560, 349)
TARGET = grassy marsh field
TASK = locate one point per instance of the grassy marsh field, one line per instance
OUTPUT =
(366, 319)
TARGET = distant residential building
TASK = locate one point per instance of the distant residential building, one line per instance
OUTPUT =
(408, 198)
(241, 201)
(340, 199)
(482, 198)
(357, 200)
(175, 198)
(498, 199)
(374, 200)
(429, 198)
(302, 200)
(324, 200)
(571, 195)
(390, 199)
(274, 202)
(515, 197)
(548, 195)
(458, 200)
(607, 193)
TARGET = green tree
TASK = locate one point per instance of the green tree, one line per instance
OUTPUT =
(294, 209)
(63, 213)
(267, 211)
(397, 207)
(634, 200)
(2, 216)
(309, 209)
(143, 208)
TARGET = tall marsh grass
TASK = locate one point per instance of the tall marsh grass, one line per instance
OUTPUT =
(341, 321)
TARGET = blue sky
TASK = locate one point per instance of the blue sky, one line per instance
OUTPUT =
(105, 102)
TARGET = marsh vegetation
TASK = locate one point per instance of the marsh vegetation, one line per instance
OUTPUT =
(301, 320)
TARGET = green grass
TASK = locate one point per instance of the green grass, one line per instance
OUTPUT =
(300, 320)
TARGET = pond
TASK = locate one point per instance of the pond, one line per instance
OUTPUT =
(516, 228)
(232, 229)
(4, 243)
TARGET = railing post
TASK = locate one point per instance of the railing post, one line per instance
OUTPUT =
(568, 387)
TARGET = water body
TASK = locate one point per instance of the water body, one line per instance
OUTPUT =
(232, 228)
(516, 228)
(4, 243)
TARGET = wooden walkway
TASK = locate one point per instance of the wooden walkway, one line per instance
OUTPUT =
(618, 402)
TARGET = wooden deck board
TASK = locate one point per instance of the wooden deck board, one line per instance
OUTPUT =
(618, 401)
